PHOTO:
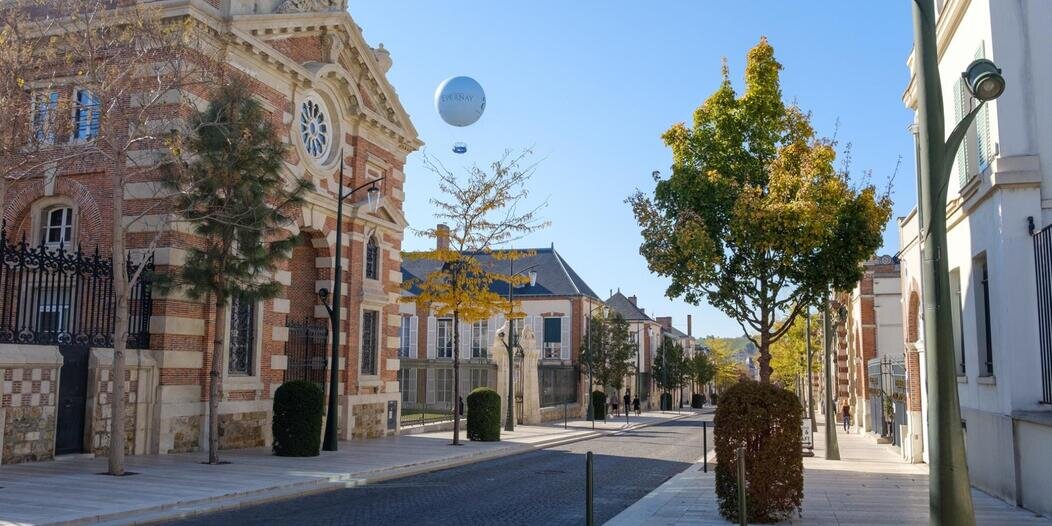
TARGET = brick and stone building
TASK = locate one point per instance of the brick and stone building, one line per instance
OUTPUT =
(307, 63)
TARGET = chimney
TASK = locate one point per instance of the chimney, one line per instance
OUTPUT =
(442, 237)
(632, 300)
(690, 331)
(665, 322)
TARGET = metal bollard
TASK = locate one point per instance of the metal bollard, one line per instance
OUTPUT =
(705, 446)
(589, 490)
(564, 415)
(742, 510)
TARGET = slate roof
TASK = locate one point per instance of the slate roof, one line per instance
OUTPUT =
(676, 333)
(621, 304)
(555, 277)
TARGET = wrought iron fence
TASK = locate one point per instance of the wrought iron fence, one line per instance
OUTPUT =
(887, 395)
(558, 384)
(1043, 264)
(49, 296)
(306, 351)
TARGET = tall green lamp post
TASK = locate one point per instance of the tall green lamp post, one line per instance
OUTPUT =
(950, 498)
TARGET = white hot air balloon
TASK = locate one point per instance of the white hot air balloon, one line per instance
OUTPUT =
(460, 101)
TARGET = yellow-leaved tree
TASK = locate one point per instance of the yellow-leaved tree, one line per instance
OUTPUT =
(481, 213)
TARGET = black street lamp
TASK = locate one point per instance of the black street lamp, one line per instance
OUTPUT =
(331, 423)
(950, 496)
(509, 424)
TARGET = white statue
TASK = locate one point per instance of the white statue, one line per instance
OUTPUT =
(531, 405)
(307, 6)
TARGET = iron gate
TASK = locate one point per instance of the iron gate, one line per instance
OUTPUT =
(1043, 266)
(887, 396)
(307, 351)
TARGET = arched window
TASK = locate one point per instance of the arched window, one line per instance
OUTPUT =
(372, 259)
(57, 227)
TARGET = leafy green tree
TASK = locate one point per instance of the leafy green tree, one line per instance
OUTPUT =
(727, 368)
(669, 368)
(755, 219)
(609, 350)
(700, 369)
(234, 196)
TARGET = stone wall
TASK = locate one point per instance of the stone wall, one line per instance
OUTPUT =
(102, 411)
(243, 430)
(370, 420)
(27, 413)
(186, 433)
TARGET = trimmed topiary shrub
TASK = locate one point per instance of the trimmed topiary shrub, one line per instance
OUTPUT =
(599, 405)
(666, 401)
(765, 420)
(484, 415)
(697, 400)
(298, 408)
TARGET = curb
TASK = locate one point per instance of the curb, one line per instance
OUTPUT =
(227, 502)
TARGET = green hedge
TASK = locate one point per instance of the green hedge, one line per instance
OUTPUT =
(483, 406)
(298, 408)
(697, 400)
(765, 420)
(599, 405)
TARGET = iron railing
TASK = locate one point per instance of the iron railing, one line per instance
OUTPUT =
(49, 296)
(887, 391)
(307, 351)
(558, 384)
(1043, 264)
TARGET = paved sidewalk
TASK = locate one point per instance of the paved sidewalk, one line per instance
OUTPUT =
(173, 486)
(870, 485)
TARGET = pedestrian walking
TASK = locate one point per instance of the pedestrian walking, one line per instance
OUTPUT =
(460, 405)
(846, 414)
(613, 406)
(628, 400)
(635, 405)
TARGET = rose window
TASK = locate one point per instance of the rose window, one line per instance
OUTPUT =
(314, 129)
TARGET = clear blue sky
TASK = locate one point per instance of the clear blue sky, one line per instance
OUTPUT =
(591, 85)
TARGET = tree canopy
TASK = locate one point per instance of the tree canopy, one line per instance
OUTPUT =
(670, 368)
(608, 349)
(755, 219)
(789, 354)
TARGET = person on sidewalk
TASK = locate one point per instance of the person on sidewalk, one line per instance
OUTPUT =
(628, 400)
(846, 414)
(613, 406)
(635, 405)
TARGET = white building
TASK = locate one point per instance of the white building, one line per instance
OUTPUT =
(1002, 183)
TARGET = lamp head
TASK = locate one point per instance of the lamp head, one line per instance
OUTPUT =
(984, 80)
(374, 198)
(323, 293)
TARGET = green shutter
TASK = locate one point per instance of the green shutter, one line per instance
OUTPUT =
(982, 127)
(960, 99)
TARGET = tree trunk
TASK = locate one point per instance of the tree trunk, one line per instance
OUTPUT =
(765, 356)
(456, 378)
(120, 332)
(215, 377)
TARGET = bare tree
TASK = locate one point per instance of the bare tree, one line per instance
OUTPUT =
(129, 73)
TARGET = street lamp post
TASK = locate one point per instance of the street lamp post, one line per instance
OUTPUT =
(810, 383)
(832, 447)
(509, 424)
(950, 498)
(591, 365)
(331, 423)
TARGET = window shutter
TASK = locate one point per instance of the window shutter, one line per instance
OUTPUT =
(959, 109)
(567, 342)
(430, 380)
(414, 327)
(432, 340)
(982, 126)
(465, 340)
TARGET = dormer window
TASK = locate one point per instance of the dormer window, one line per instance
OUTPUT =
(57, 227)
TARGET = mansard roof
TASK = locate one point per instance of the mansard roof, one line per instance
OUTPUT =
(555, 277)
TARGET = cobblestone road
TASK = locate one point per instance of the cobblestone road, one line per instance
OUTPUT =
(540, 487)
